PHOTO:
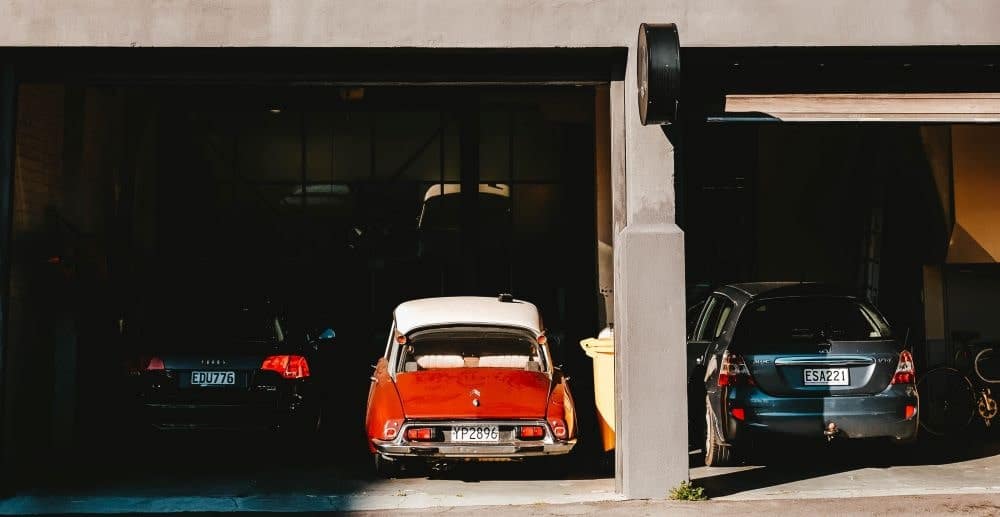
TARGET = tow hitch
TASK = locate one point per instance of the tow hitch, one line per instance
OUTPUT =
(831, 431)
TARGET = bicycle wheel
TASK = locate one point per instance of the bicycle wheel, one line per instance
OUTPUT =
(947, 401)
(987, 366)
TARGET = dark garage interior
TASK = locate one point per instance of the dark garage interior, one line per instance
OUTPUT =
(895, 208)
(133, 200)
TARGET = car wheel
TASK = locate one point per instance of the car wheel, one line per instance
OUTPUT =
(717, 454)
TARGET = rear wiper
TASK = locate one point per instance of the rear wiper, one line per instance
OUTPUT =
(805, 334)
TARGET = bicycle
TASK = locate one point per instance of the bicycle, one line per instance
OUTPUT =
(951, 397)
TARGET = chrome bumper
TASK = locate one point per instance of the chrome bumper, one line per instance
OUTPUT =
(506, 449)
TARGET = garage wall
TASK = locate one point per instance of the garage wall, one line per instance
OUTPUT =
(489, 23)
(38, 186)
(59, 260)
(976, 164)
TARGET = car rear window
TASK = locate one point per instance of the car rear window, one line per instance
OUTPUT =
(440, 349)
(780, 324)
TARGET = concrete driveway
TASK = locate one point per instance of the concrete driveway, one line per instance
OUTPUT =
(858, 469)
(233, 481)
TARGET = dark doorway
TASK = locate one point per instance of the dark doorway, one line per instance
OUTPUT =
(337, 202)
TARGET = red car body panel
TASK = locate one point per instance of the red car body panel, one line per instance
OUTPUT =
(383, 403)
(503, 393)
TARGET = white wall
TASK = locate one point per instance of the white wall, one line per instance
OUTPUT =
(494, 23)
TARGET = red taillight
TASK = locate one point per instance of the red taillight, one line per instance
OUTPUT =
(911, 411)
(420, 434)
(288, 366)
(532, 432)
(733, 371)
(905, 371)
(155, 364)
(391, 428)
(558, 428)
(738, 413)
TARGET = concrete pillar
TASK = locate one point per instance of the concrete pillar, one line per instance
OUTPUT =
(652, 452)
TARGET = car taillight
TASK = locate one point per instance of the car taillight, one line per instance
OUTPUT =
(738, 413)
(420, 434)
(558, 428)
(391, 428)
(155, 364)
(905, 371)
(288, 366)
(533, 432)
(733, 371)
(910, 412)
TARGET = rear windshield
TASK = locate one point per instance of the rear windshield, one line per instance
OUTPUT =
(212, 330)
(776, 325)
(441, 349)
(445, 212)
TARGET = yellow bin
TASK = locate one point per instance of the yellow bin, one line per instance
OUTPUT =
(602, 351)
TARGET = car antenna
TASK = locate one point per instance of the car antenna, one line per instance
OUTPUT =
(506, 298)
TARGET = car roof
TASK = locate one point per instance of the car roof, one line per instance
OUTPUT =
(759, 290)
(466, 310)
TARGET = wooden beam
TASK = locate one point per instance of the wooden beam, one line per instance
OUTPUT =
(871, 107)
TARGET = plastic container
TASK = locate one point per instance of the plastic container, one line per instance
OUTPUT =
(602, 351)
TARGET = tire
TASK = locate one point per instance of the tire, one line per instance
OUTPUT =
(717, 453)
(947, 402)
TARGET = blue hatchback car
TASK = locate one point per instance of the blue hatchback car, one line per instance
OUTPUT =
(796, 359)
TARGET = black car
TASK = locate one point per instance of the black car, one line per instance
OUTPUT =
(227, 367)
(796, 359)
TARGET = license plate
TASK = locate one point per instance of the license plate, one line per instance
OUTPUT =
(826, 377)
(213, 378)
(475, 433)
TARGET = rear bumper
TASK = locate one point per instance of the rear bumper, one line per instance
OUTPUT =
(507, 448)
(477, 451)
(882, 415)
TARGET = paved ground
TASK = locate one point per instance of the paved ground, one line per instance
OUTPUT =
(965, 505)
(226, 478)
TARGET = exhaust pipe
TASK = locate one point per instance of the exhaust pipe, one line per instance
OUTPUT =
(831, 431)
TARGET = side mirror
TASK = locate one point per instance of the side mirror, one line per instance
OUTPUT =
(326, 335)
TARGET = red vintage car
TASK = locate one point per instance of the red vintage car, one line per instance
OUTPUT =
(467, 378)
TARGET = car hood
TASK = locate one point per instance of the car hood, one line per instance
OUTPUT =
(449, 393)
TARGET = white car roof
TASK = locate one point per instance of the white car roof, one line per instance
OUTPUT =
(467, 310)
(496, 189)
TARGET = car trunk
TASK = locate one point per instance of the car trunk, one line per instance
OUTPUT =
(816, 346)
(830, 368)
(448, 393)
(210, 369)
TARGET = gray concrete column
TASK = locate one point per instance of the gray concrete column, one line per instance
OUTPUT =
(652, 452)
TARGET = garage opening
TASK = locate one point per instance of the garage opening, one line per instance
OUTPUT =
(330, 202)
(870, 169)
